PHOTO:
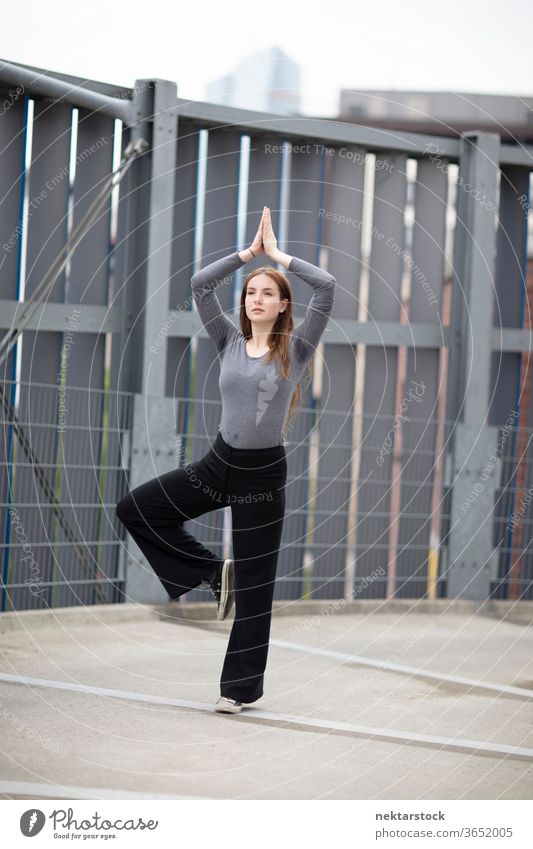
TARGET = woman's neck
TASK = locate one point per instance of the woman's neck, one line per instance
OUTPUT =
(258, 341)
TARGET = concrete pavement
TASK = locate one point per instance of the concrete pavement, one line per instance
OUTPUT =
(367, 700)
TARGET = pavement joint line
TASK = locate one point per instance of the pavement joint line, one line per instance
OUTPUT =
(398, 667)
(285, 720)
(61, 791)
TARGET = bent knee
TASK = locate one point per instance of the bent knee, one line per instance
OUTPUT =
(123, 508)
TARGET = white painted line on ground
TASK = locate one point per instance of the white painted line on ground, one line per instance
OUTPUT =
(62, 791)
(398, 667)
(103, 691)
(283, 719)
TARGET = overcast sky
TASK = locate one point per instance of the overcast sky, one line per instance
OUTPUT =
(462, 45)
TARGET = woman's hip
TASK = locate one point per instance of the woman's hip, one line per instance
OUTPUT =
(272, 459)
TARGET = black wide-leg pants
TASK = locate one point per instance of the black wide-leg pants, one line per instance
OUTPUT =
(252, 482)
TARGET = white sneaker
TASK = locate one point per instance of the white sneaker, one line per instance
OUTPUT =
(225, 705)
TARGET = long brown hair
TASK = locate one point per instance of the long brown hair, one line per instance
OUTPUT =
(278, 339)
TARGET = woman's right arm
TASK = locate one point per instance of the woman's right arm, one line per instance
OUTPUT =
(218, 325)
(306, 335)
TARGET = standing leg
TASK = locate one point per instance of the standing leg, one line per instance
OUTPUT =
(154, 514)
(257, 529)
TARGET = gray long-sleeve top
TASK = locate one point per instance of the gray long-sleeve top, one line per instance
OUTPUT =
(255, 398)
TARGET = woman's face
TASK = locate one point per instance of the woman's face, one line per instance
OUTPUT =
(262, 301)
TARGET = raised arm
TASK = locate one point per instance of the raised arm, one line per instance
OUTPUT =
(305, 335)
(215, 321)
(217, 324)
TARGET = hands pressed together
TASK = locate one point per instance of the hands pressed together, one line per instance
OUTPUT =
(265, 241)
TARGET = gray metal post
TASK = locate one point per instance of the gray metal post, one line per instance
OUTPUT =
(160, 232)
(153, 452)
(475, 464)
(153, 449)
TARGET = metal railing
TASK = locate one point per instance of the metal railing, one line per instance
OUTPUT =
(138, 341)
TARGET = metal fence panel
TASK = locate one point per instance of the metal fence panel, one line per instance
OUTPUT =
(420, 455)
(381, 367)
(334, 520)
(374, 491)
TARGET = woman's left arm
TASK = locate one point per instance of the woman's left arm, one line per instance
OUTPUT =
(308, 332)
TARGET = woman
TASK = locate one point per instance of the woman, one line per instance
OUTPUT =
(260, 369)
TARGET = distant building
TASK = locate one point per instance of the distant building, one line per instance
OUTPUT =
(266, 81)
(446, 113)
